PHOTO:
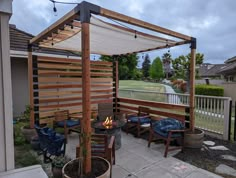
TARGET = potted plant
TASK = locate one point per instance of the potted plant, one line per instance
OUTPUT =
(57, 164)
(28, 132)
(86, 166)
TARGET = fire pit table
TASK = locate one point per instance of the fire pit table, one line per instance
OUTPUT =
(114, 128)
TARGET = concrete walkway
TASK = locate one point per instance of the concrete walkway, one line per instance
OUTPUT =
(135, 160)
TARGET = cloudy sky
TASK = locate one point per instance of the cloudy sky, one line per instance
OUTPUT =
(212, 22)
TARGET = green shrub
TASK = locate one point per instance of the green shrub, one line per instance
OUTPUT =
(210, 90)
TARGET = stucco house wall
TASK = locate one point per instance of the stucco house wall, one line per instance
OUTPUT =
(20, 89)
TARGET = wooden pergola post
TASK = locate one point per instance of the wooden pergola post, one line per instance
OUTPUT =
(86, 123)
(30, 83)
(192, 83)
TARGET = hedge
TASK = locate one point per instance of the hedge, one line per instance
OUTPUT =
(210, 90)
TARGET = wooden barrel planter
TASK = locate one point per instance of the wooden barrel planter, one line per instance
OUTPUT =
(194, 139)
(101, 168)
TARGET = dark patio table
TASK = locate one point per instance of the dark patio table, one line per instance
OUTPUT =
(115, 130)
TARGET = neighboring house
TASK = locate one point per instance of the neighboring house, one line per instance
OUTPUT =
(229, 71)
(19, 66)
(207, 70)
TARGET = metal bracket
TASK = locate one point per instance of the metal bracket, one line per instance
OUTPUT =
(193, 43)
(86, 9)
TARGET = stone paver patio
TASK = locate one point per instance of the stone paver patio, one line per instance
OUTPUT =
(135, 160)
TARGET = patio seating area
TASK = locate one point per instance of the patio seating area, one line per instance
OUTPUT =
(135, 160)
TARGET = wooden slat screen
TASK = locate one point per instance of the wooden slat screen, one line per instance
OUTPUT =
(157, 110)
(57, 85)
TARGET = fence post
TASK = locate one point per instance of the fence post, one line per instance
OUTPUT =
(230, 114)
(226, 118)
(235, 121)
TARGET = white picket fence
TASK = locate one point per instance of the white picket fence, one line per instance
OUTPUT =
(211, 113)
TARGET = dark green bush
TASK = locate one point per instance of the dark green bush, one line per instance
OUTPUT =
(210, 90)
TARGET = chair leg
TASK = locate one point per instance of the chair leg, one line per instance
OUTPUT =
(114, 154)
(182, 144)
(150, 138)
(127, 128)
(167, 147)
(138, 130)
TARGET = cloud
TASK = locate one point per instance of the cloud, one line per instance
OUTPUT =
(211, 21)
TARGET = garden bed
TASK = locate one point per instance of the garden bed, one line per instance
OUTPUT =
(209, 159)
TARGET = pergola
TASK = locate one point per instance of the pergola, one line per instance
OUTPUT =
(81, 30)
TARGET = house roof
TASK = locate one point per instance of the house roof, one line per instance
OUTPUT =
(210, 70)
(229, 69)
(230, 60)
(19, 42)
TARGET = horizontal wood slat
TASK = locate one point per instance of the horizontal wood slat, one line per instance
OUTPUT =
(59, 86)
(58, 93)
(58, 60)
(153, 104)
(55, 106)
(58, 66)
(73, 79)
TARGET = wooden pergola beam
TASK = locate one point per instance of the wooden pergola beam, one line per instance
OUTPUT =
(133, 21)
(66, 19)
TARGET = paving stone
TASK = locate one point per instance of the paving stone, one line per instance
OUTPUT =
(176, 167)
(229, 157)
(200, 174)
(119, 172)
(224, 169)
(147, 153)
(155, 171)
(209, 143)
(131, 162)
(223, 148)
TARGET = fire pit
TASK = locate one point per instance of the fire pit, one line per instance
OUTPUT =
(110, 127)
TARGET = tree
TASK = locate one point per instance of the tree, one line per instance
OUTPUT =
(146, 66)
(181, 64)
(156, 69)
(127, 65)
(166, 59)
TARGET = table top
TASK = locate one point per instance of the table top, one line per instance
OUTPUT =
(115, 125)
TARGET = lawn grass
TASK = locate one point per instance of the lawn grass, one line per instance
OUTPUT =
(141, 85)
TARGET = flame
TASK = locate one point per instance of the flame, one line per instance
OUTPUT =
(108, 122)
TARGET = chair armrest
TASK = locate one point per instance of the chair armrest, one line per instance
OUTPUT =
(130, 114)
(143, 117)
(112, 140)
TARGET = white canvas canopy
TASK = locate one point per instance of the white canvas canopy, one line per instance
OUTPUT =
(105, 39)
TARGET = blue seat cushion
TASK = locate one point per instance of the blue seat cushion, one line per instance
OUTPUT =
(163, 127)
(143, 120)
(69, 123)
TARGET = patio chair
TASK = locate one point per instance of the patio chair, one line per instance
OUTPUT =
(168, 130)
(102, 145)
(106, 110)
(63, 120)
(51, 143)
(140, 121)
